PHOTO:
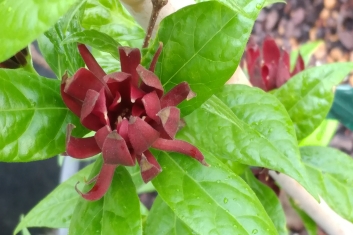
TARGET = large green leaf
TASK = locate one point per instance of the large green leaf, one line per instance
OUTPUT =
(63, 57)
(111, 18)
(24, 20)
(96, 39)
(210, 200)
(246, 125)
(118, 212)
(308, 95)
(270, 201)
(202, 49)
(163, 221)
(33, 117)
(331, 171)
(56, 209)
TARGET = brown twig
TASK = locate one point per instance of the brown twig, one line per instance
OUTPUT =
(157, 7)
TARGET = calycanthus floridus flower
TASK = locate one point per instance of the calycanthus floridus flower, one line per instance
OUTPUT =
(270, 68)
(129, 112)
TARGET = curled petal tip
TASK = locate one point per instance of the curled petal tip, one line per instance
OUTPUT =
(191, 95)
(203, 162)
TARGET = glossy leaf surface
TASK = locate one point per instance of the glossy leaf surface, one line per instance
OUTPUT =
(111, 18)
(56, 209)
(249, 126)
(118, 212)
(63, 57)
(203, 52)
(308, 95)
(210, 199)
(269, 201)
(163, 221)
(95, 39)
(24, 20)
(331, 170)
(31, 106)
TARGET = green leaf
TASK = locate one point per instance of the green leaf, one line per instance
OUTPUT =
(95, 39)
(118, 212)
(56, 209)
(31, 106)
(331, 171)
(308, 222)
(63, 57)
(203, 52)
(141, 187)
(306, 51)
(308, 95)
(162, 221)
(111, 18)
(322, 135)
(246, 125)
(270, 202)
(24, 20)
(210, 200)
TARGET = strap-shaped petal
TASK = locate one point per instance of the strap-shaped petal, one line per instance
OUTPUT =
(91, 62)
(119, 82)
(156, 56)
(170, 118)
(252, 54)
(149, 81)
(152, 105)
(149, 166)
(80, 148)
(179, 146)
(83, 80)
(101, 135)
(268, 74)
(103, 181)
(122, 129)
(141, 134)
(130, 58)
(94, 111)
(177, 94)
(72, 103)
(115, 150)
(270, 50)
(299, 66)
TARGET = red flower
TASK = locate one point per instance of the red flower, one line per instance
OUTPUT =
(129, 112)
(271, 69)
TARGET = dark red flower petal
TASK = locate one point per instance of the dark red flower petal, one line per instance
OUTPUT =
(136, 93)
(103, 181)
(119, 82)
(155, 57)
(123, 129)
(271, 52)
(152, 105)
(80, 148)
(94, 110)
(115, 103)
(73, 104)
(283, 74)
(252, 54)
(91, 62)
(149, 166)
(177, 94)
(141, 134)
(101, 135)
(115, 150)
(130, 58)
(170, 118)
(83, 80)
(149, 81)
(299, 66)
(268, 74)
(179, 146)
